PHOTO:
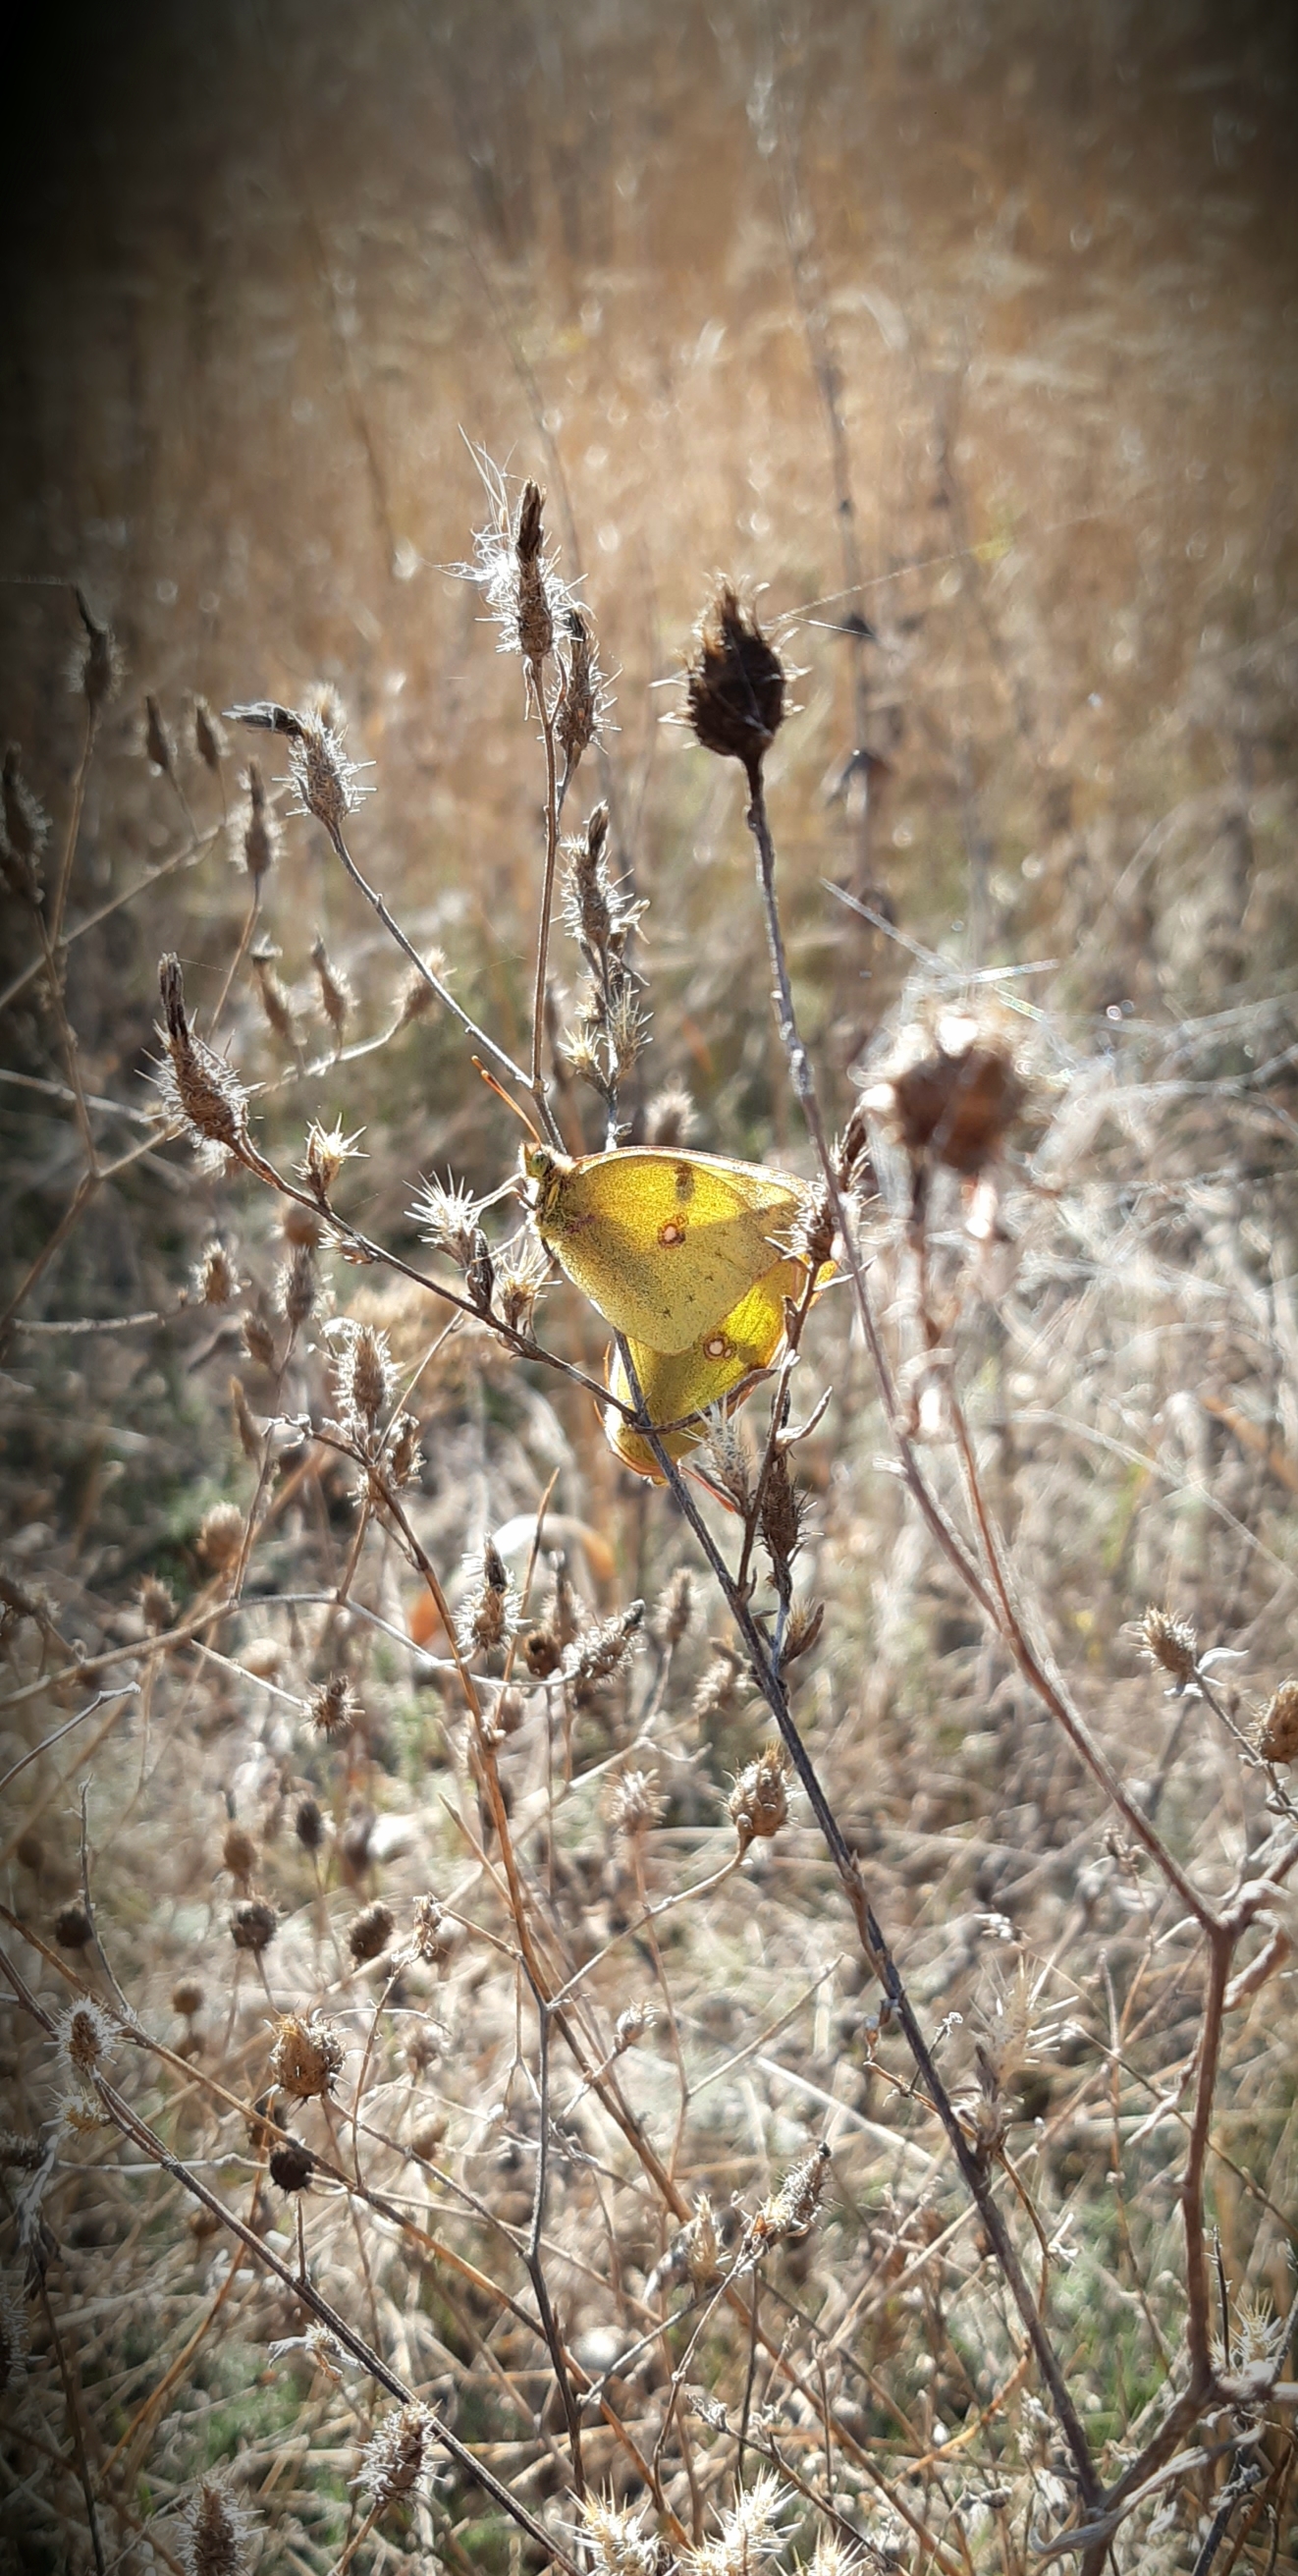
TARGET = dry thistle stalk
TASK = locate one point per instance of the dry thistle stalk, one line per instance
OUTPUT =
(157, 1606)
(1171, 1642)
(533, 611)
(239, 1854)
(217, 2534)
(272, 994)
(327, 1149)
(670, 1117)
(296, 1287)
(253, 1925)
(433, 1934)
(157, 740)
(635, 1804)
(220, 1536)
(395, 2456)
(753, 2532)
(594, 1659)
(26, 830)
(609, 1029)
(216, 1280)
(291, 2165)
(951, 1099)
(676, 1609)
(250, 1435)
(210, 741)
(85, 2041)
(370, 1932)
(490, 1613)
(735, 684)
(73, 1929)
(15, 2334)
(333, 1708)
(759, 1802)
(327, 784)
(96, 668)
(583, 697)
(258, 1339)
(256, 829)
(792, 2210)
(782, 1515)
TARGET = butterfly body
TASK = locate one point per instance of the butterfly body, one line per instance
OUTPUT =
(664, 1244)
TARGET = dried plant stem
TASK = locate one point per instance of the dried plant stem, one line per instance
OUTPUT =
(72, 2408)
(250, 921)
(536, 679)
(72, 835)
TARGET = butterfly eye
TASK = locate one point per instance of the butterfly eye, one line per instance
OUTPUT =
(671, 1232)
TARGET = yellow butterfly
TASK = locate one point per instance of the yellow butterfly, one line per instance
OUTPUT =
(722, 1366)
(664, 1244)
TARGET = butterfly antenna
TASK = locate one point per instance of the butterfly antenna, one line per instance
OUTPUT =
(509, 1101)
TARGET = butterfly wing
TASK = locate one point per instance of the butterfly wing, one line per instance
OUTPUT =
(722, 1366)
(666, 1245)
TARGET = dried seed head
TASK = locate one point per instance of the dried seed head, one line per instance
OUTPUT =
(250, 1437)
(157, 1606)
(273, 995)
(542, 1653)
(327, 1149)
(29, 1851)
(333, 1708)
(370, 1933)
(634, 1803)
(792, 2209)
(328, 784)
(335, 992)
(727, 1461)
(363, 1377)
(217, 2534)
(853, 1162)
(210, 741)
(802, 1629)
(447, 1217)
(718, 1693)
(1172, 1643)
(403, 1450)
(490, 1613)
(253, 1925)
(308, 1825)
(307, 2057)
(85, 2036)
(618, 2543)
(394, 2458)
(587, 893)
(631, 2025)
(433, 1937)
(676, 1609)
(415, 994)
(783, 1512)
(956, 1104)
(759, 1801)
(583, 698)
(73, 1928)
(97, 666)
(354, 1844)
(480, 1276)
(670, 1117)
(533, 611)
(197, 1086)
(752, 2532)
(220, 1536)
(187, 1997)
(296, 1287)
(301, 1225)
(255, 827)
(521, 1274)
(258, 1339)
(291, 2165)
(1277, 1736)
(604, 1651)
(239, 1853)
(216, 1281)
(26, 829)
(157, 740)
(735, 684)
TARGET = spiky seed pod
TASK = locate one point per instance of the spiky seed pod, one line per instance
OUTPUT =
(363, 1375)
(593, 1659)
(370, 1932)
(157, 740)
(635, 1804)
(490, 1610)
(308, 1825)
(793, 2209)
(805, 1621)
(258, 1339)
(187, 1997)
(301, 1226)
(197, 1085)
(433, 1937)
(327, 1149)
(631, 2025)
(480, 1276)
(210, 740)
(1277, 1738)
(415, 994)
(335, 991)
(157, 1606)
(1172, 1643)
(327, 782)
(542, 1653)
(565, 1613)
(759, 1802)
(86, 2038)
(618, 2541)
(535, 621)
(291, 2165)
(97, 668)
(446, 1214)
(403, 1453)
(735, 684)
(427, 2137)
(718, 1693)
(29, 1851)
(258, 827)
(216, 1281)
(587, 893)
(220, 1536)
(853, 1163)
(670, 1117)
(521, 1274)
(239, 1853)
(333, 1708)
(217, 2533)
(253, 1925)
(582, 697)
(783, 1511)
(307, 2057)
(393, 2459)
(73, 1928)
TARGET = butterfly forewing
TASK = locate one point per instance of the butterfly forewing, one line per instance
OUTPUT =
(665, 1245)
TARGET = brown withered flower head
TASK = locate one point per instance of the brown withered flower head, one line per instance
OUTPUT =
(735, 684)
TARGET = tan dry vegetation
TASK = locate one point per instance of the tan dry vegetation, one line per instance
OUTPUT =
(1024, 298)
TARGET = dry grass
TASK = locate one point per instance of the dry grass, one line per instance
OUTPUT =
(495, 1928)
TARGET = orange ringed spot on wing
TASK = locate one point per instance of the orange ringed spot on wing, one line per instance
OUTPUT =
(716, 1347)
(671, 1233)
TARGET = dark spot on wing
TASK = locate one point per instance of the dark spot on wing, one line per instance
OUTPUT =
(684, 1181)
